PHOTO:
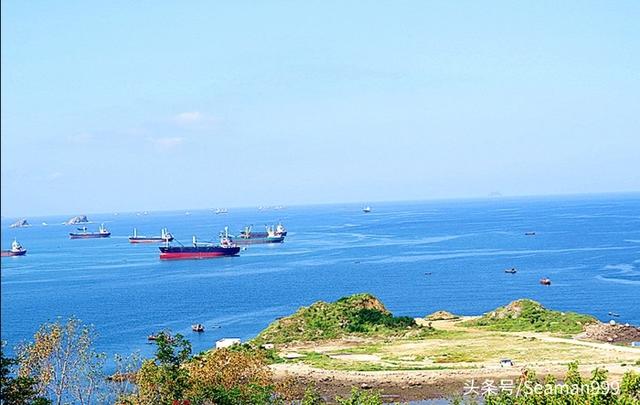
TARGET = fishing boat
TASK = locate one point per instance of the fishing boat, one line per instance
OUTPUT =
(272, 235)
(511, 270)
(16, 250)
(198, 327)
(200, 250)
(366, 209)
(85, 234)
(221, 211)
(545, 281)
(165, 236)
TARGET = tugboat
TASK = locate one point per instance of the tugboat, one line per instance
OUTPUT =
(272, 235)
(16, 250)
(198, 327)
(545, 281)
(165, 236)
(366, 209)
(84, 234)
(200, 250)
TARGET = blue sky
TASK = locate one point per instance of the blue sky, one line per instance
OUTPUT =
(125, 106)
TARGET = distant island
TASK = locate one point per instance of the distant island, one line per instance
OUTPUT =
(78, 219)
(21, 223)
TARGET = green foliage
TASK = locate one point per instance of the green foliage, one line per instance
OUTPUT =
(172, 350)
(171, 379)
(575, 390)
(17, 390)
(630, 385)
(311, 396)
(528, 315)
(250, 394)
(360, 397)
(360, 314)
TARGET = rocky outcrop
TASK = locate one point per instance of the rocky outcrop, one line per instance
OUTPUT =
(441, 316)
(611, 333)
(78, 219)
(20, 223)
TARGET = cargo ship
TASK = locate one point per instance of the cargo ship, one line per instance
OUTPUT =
(272, 235)
(200, 250)
(165, 236)
(278, 230)
(85, 234)
(16, 250)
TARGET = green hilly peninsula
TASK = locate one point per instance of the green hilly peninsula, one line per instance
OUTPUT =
(360, 314)
(529, 315)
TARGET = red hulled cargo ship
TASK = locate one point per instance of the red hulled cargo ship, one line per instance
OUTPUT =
(200, 250)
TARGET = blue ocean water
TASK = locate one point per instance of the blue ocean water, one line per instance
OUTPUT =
(416, 257)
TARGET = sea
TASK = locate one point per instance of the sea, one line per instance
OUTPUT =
(417, 257)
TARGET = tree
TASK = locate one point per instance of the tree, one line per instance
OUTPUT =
(16, 390)
(62, 362)
(164, 380)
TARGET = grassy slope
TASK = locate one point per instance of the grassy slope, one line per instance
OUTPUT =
(360, 314)
(528, 315)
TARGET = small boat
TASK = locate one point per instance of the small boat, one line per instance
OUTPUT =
(153, 338)
(614, 314)
(85, 234)
(221, 211)
(545, 281)
(529, 233)
(165, 236)
(201, 250)
(198, 327)
(16, 250)
(366, 209)
(511, 270)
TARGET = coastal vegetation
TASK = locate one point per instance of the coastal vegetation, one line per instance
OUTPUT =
(529, 315)
(354, 334)
(360, 315)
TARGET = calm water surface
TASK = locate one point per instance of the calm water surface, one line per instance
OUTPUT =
(588, 246)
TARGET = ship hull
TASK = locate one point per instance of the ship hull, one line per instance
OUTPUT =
(200, 252)
(9, 253)
(257, 241)
(89, 235)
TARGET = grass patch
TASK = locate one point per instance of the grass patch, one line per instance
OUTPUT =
(528, 315)
(360, 314)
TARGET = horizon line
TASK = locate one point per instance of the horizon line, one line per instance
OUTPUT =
(366, 202)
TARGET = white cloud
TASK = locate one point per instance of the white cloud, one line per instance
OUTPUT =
(195, 119)
(189, 117)
(167, 142)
